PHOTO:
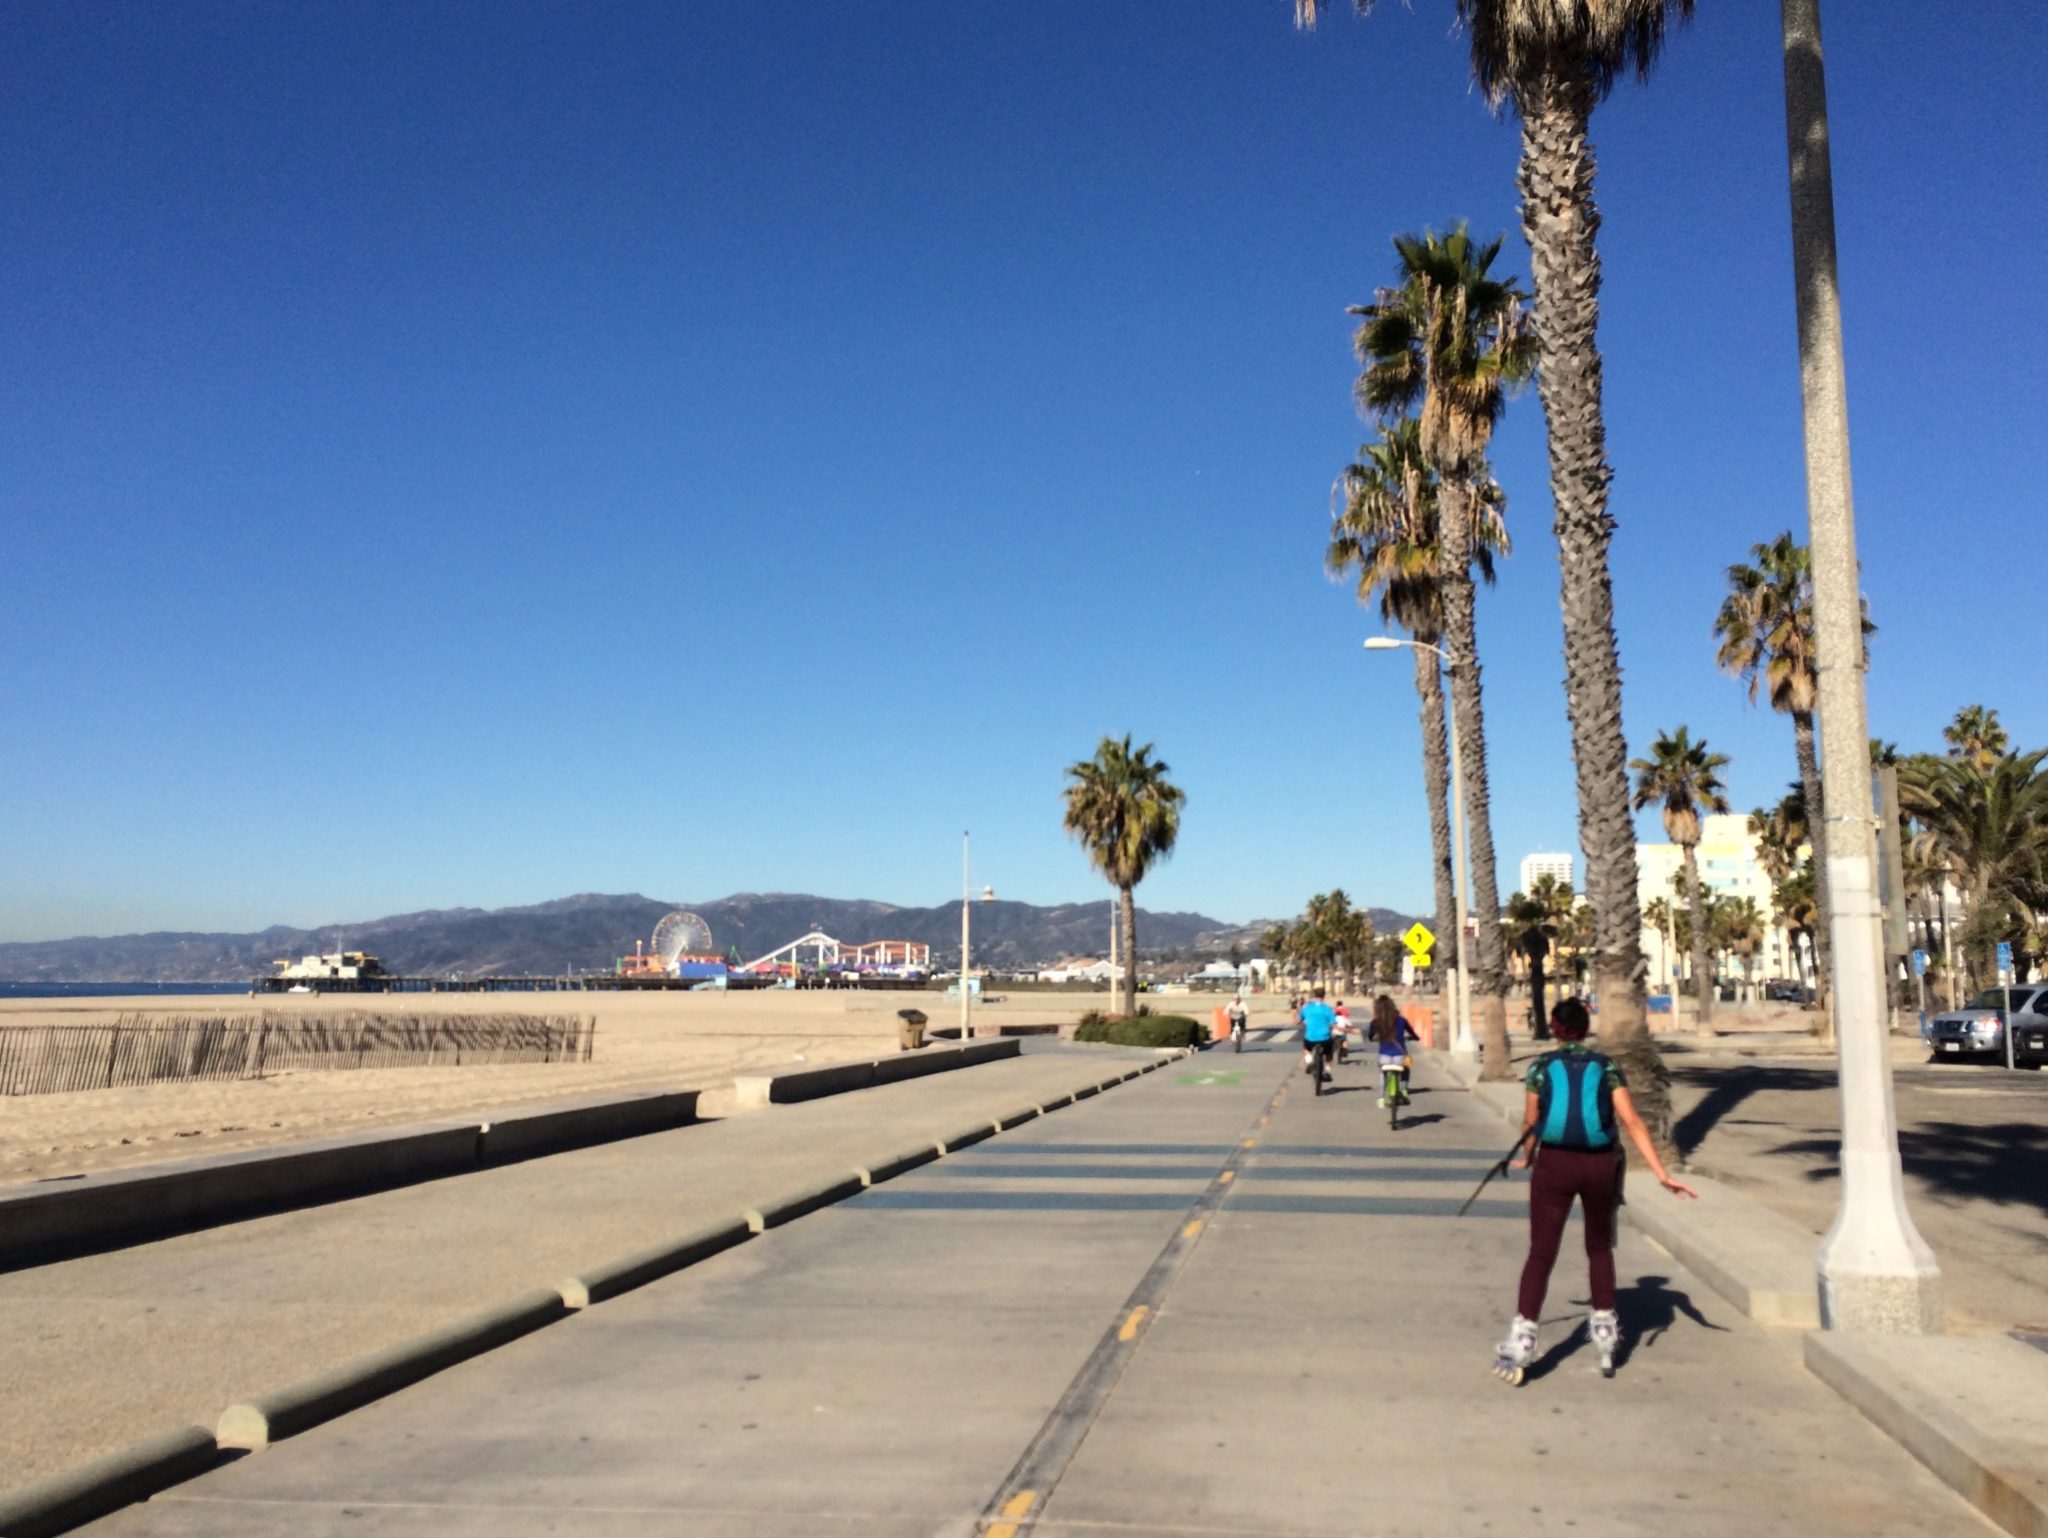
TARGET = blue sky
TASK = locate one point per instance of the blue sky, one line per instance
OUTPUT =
(463, 454)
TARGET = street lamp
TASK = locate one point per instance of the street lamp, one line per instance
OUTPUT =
(1461, 1006)
(988, 895)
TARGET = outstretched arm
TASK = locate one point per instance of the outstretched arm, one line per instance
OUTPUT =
(1530, 1108)
(1632, 1122)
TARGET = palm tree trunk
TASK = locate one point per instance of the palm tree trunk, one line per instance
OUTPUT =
(1816, 833)
(1540, 1020)
(1702, 968)
(1560, 220)
(1436, 778)
(1489, 968)
(1130, 916)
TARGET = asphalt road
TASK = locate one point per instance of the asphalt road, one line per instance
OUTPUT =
(1973, 1141)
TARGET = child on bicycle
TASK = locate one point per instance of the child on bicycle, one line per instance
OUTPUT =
(1391, 1032)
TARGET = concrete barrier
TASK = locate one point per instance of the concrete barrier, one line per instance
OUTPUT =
(876, 1171)
(753, 1092)
(1969, 1407)
(78, 1495)
(1763, 1263)
(778, 1210)
(52, 1218)
(522, 1133)
(256, 1423)
(652, 1263)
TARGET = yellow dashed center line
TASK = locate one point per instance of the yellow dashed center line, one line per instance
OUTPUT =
(1003, 1530)
(1192, 1229)
(1226, 1177)
(1251, 1142)
(1132, 1324)
(1019, 1505)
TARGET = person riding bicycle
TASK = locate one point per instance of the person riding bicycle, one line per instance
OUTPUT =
(1576, 1103)
(1318, 1020)
(1391, 1032)
(1340, 1033)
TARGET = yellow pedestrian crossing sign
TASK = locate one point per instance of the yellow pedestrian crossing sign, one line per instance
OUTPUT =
(1418, 939)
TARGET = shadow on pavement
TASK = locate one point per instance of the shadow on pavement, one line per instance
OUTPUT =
(1420, 1121)
(1727, 1088)
(1651, 1307)
(1997, 1161)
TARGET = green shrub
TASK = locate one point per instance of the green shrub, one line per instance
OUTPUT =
(1143, 1031)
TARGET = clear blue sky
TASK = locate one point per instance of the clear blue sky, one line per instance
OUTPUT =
(463, 454)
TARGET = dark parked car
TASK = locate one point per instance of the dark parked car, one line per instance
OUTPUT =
(1783, 992)
(1978, 1028)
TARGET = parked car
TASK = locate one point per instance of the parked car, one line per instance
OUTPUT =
(1781, 991)
(1978, 1028)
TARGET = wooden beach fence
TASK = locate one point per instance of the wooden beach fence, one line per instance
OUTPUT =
(158, 1049)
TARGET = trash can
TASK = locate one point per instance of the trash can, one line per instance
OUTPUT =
(912, 1030)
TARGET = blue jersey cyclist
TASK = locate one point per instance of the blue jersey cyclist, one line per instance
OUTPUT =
(1318, 1022)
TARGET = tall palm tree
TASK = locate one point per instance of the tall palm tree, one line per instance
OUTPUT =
(1976, 735)
(1684, 776)
(1384, 527)
(1765, 630)
(1126, 813)
(1553, 63)
(1742, 931)
(1447, 341)
(1658, 914)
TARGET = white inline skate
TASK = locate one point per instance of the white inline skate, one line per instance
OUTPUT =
(1605, 1328)
(1511, 1358)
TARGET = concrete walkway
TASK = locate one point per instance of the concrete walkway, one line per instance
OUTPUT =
(105, 1350)
(1117, 1320)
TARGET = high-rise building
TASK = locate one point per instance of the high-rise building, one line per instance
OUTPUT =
(1536, 865)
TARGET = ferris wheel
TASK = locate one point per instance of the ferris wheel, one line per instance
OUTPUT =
(681, 934)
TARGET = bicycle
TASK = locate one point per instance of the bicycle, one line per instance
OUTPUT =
(1318, 1063)
(1393, 1091)
(1237, 1035)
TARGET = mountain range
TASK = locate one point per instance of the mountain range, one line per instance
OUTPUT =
(588, 932)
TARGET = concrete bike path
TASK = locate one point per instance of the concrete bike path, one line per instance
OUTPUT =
(1083, 1328)
(104, 1350)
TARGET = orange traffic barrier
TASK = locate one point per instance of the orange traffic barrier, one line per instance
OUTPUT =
(1423, 1018)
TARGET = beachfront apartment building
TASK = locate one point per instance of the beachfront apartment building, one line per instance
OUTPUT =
(1537, 866)
(1729, 867)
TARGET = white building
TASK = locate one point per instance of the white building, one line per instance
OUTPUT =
(1536, 866)
(1729, 867)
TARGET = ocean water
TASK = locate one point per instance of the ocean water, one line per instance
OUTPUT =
(110, 990)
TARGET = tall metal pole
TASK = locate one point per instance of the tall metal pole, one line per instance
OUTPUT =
(1876, 1272)
(966, 906)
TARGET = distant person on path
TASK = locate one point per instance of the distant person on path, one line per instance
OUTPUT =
(1318, 1020)
(1391, 1033)
(1236, 1016)
(1340, 1034)
(1574, 1099)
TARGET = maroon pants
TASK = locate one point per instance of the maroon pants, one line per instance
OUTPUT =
(1561, 1174)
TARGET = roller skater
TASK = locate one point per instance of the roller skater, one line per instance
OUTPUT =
(1576, 1103)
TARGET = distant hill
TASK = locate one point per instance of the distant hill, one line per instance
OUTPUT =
(587, 932)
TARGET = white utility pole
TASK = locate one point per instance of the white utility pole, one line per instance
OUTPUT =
(966, 907)
(1876, 1272)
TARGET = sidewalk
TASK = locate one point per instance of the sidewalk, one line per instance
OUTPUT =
(1119, 1319)
(107, 1349)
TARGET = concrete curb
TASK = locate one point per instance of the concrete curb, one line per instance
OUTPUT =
(784, 1209)
(78, 1495)
(879, 1170)
(257, 1423)
(651, 1264)
(754, 1092)
(1937, 1395)
(39, 1223)
(966, 1137)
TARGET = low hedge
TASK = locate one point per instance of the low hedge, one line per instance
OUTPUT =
(1144, 1031)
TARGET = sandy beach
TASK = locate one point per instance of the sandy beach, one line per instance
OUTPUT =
(644, 1041)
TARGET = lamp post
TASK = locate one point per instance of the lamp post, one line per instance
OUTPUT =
(988, 895)
(1461, 1009)
(1876, 1272)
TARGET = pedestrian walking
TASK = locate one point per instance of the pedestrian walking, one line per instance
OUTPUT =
(1574, 1103)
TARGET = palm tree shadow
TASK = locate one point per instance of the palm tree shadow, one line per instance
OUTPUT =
(1650, 1308)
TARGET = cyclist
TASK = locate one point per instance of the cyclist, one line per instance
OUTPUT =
(1318, 1020)
(1575, 1102)
(1340, 1034)
(1236, 1015)
(1392, 1033)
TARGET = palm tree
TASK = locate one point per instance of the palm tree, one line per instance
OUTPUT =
(1448, 342)
(1532, 926)
(1976, 735)
(1658, 914)
(1126, 813)
(1684, 776)
(1383, 526)
(1553, 63)
(1765, 628)
(1988, 830)
(1740, 928)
